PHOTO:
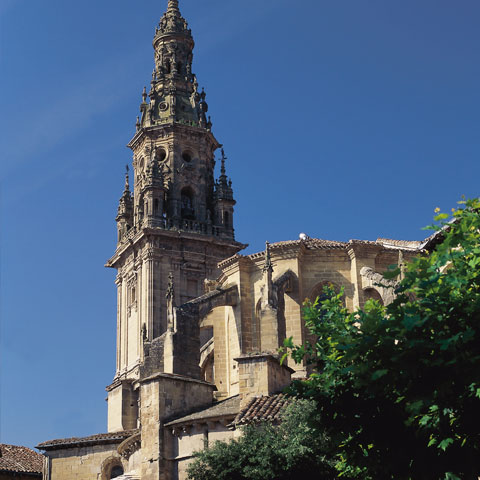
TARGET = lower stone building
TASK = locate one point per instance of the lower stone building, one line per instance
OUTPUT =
(19, 463)
(178, 404)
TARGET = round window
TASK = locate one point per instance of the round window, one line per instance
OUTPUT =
(161, 154)
(187, 157)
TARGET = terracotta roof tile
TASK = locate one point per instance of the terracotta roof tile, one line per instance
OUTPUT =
(406, 244)
(20, 459)
(263, 408)
(101, 438)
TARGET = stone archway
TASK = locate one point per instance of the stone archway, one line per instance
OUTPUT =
(112, 467)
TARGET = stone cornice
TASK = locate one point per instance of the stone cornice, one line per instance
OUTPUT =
(171, 235)
(175, 377)
(170, 128)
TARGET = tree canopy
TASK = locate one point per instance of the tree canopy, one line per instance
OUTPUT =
(398, 387)
(288, 451)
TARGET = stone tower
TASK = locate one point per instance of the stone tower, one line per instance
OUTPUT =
(178, 222)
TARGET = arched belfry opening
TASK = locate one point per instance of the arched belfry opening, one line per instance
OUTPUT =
(187, 205)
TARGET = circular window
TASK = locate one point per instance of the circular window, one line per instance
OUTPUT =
(161, 154)
(163, 106)
(187, 157)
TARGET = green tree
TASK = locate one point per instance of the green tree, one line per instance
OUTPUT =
(291, 450)
(398, 388)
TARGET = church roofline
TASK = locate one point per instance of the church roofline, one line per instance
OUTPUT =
(229, 407)
(98, 439)
(320, 244)
(173, 376)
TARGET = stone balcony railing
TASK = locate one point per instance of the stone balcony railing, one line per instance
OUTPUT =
(183, 225)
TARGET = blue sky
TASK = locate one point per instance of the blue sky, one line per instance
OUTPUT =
(341, 119)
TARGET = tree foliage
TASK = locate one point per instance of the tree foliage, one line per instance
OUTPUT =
(269, 452)
(398, 387)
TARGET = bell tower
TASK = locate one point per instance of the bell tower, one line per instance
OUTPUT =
(178, 222)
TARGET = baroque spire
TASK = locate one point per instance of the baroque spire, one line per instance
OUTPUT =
(223, 186)
(172, 21)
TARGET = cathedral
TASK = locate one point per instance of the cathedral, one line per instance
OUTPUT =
(199, 324)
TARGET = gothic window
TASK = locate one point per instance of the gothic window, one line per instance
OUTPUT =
(116, 471)
(256, 330)
(371, 293)
(133, 295)
(318, 291)
(226, 219)
(156, 207)
(187, 204)
(168, 67)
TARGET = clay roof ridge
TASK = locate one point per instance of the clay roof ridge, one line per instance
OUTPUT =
(99, 437)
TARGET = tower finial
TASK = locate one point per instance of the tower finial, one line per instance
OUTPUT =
(127, 183)
(222, 169)
(172, 6)
(268, 267)
(170, 287)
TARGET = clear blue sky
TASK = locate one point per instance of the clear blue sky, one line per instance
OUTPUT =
(341, 119)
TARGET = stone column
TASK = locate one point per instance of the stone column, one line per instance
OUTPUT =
(118, 283)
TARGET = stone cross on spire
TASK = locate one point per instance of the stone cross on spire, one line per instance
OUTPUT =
(222, 169)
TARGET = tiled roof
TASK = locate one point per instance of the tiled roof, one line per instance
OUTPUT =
(311, 243)
(229, 407)
(407, 244)
(320, 244)
(263, 408)
(20, 459)
(101, 438)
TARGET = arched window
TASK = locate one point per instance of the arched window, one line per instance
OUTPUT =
(187, 203)
(371, 293)
(116, 471)
(319, 291)
(256, 328)
(226, 219)
(156, 207)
